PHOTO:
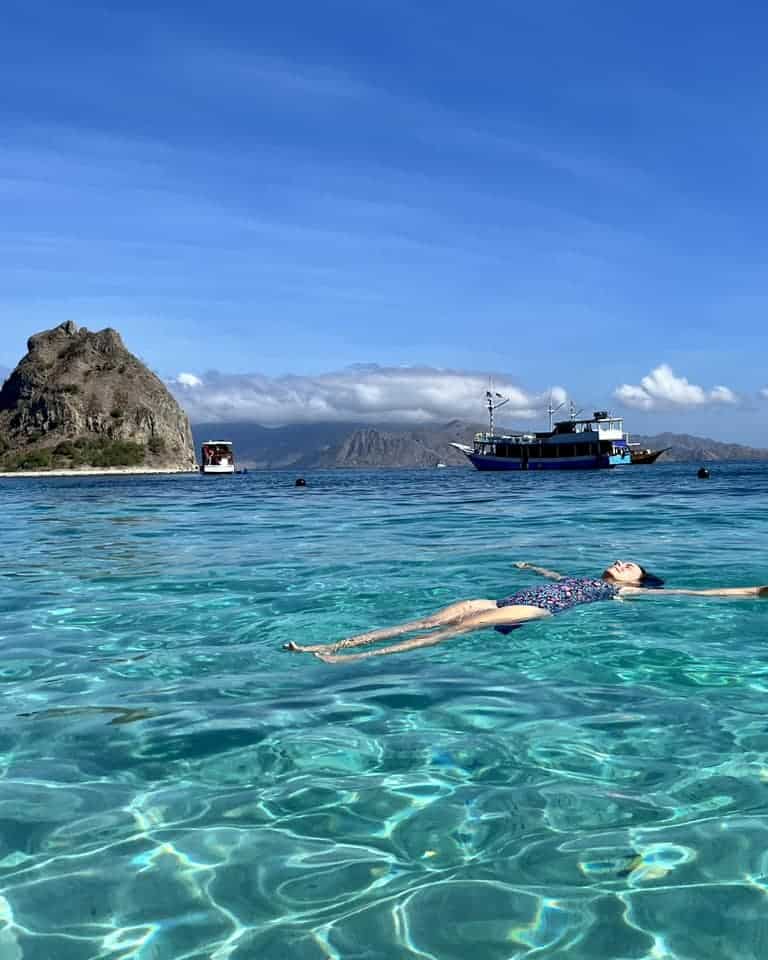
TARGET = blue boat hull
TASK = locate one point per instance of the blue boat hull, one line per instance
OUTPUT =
(571, 463)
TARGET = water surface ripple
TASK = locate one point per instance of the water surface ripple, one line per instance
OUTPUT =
(175, 787)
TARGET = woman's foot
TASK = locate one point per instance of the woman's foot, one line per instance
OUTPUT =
(332, 658)
(292, 647)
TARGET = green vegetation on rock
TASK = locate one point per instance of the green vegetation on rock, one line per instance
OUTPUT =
(82, 452)
(30, 460)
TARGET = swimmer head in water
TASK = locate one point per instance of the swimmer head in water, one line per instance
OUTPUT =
(630, 573)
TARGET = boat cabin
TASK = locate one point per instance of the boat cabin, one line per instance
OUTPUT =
(217, 456)
(607, 428)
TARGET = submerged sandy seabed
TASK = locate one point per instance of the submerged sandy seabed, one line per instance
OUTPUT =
(96, 472)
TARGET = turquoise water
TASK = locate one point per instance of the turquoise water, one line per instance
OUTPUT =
(175, 786)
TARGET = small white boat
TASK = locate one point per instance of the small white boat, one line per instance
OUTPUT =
(217, 456)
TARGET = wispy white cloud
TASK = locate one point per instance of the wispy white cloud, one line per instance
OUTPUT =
(362, 393)
(250, 74)
(764, 392)
(722, 394)
(663, 389)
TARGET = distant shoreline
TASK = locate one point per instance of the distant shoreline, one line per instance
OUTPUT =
(167, 471)
(96, 472)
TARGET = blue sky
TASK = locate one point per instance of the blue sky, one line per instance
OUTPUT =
(557, 194)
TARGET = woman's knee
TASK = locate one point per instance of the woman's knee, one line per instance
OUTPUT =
(459, 611)
(481, 606)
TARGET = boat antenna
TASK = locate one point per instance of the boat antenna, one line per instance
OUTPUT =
(493, 402)
(572, 411)
(551, 410)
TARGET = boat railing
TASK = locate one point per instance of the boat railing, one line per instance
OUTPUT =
(505, 438)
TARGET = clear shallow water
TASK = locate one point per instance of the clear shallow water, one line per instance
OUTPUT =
(175, 786)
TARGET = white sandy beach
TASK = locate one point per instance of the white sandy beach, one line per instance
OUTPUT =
(94, 472)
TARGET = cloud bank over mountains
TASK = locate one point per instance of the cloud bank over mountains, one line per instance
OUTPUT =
(662, 389)
(362, 393)
(369, 393)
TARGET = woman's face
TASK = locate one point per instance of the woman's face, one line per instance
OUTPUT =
(625, 571)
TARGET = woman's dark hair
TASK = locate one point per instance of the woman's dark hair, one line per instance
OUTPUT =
(650, 581)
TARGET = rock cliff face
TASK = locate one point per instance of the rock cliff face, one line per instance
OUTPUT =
(81, 398)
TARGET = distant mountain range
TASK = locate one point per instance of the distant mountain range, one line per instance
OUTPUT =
(685, 448)
(307, 446)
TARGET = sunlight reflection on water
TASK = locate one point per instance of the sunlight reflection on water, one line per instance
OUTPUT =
(174, 785)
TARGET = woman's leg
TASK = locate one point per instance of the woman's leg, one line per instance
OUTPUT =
(455, 612)
(487, 618)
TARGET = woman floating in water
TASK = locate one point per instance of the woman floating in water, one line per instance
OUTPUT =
(622, 579)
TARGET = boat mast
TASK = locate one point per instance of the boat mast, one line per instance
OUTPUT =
(493, 404)
(551, 410)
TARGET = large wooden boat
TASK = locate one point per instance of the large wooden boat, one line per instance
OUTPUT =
(645, 455)
(597, 442)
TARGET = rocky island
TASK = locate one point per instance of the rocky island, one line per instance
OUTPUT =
(80, 399)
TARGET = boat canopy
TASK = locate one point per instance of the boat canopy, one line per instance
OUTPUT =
(608, 428)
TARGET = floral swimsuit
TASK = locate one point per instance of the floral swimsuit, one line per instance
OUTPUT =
(561, 594)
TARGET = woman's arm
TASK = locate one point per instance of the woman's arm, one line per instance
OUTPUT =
(522, 565)
(761, 591)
